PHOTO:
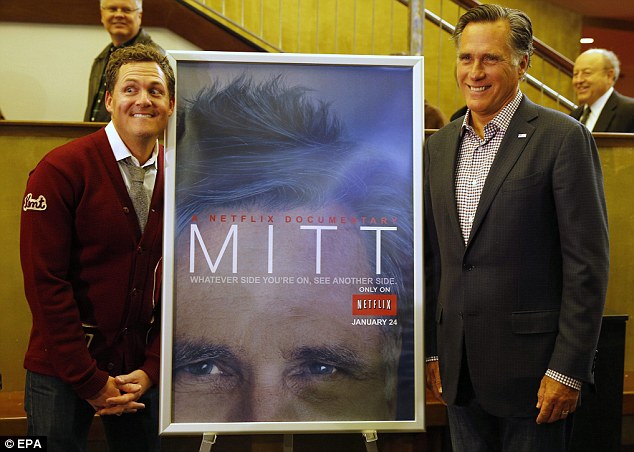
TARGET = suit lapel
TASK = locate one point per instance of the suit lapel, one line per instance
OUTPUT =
(607, 114)
(515, 140)
(447, 167)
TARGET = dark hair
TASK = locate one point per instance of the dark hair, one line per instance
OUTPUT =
(136, 54)
(520, 38)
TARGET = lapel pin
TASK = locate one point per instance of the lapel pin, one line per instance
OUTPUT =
(521, 135)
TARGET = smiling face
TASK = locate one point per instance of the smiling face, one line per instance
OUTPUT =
(140, 106)
(486, 73)
(279, 350)
(592, 76)
(121, 19)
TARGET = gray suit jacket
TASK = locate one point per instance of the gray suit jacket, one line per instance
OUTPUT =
(527, 292)
(617, 115)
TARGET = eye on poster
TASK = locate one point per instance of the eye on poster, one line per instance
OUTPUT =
(292, 292)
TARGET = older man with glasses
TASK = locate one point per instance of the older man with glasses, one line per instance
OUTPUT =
(122, 20)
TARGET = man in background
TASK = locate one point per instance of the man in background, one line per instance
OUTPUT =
(90, 245)
(516, 250)
(122, 21)
(601, 107)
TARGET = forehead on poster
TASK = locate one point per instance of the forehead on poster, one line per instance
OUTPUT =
(272, 147)
(269, 159)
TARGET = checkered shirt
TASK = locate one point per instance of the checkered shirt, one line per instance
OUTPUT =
(563, 379)
(475, 158)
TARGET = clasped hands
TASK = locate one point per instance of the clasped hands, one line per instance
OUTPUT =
(121, 394)
(555, 400)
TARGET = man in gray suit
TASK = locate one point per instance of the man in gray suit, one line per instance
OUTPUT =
(516, 250)
(601, 108)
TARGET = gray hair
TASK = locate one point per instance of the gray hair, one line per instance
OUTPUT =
(610, 60)
(139, 4)
(520, 38)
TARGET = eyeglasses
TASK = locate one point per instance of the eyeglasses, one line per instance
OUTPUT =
(126, 11)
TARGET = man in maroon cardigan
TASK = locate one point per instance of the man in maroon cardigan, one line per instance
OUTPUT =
(89, 258)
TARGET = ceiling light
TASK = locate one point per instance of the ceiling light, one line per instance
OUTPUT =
(586, 40)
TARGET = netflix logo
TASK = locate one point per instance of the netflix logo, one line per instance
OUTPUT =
(378, 305)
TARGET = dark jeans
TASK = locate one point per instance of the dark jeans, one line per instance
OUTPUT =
(54, 410)
(472, 429)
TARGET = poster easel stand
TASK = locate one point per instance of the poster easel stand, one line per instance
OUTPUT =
(371, 437)
(288, 443)
(209, 439)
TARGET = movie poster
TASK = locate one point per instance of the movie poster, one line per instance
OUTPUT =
(292, 296)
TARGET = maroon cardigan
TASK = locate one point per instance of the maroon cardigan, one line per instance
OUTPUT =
(89, 275)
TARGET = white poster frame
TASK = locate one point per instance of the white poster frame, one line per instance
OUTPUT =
(417, 422)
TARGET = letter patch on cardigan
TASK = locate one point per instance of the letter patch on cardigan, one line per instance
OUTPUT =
(34, 204)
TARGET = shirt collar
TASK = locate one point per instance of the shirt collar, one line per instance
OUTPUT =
(501, 121)
(598, 105)
(121, 151)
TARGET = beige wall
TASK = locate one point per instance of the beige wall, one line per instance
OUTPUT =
(379, 27)
(44, 67)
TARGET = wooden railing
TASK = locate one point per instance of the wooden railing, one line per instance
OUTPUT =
(335, 26)
(379, 27)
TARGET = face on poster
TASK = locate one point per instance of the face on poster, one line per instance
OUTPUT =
(293, 244)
